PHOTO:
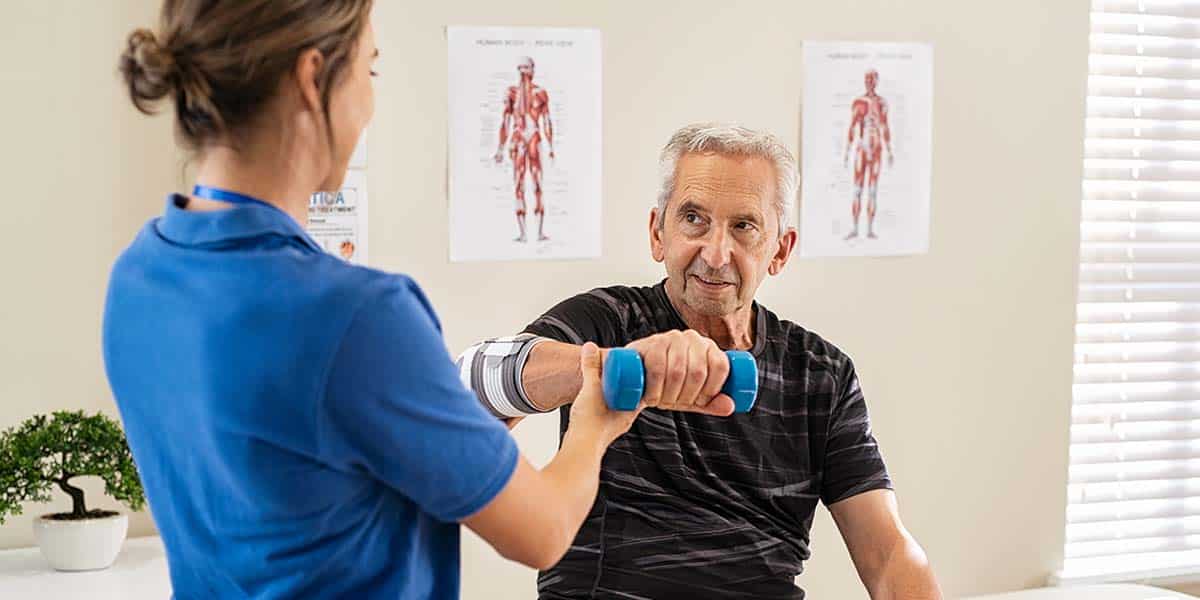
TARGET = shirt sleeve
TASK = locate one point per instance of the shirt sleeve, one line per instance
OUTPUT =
(395, 407)
(852, 464)
(581, 318)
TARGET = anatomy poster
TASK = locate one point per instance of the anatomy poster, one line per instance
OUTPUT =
(866, 149)
(337, 221)
(524, 148)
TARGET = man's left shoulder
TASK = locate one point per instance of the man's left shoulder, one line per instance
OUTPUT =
(801, 343)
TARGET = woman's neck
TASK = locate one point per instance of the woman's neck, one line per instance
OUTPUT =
(270, 178)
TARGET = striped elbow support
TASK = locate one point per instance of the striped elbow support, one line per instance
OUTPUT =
(492, 369)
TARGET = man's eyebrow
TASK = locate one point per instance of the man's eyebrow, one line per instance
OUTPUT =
(753, 216)
(689, 205)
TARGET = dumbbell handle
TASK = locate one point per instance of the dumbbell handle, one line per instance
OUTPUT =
(625, 379)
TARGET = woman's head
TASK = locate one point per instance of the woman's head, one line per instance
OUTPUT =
(285, 75)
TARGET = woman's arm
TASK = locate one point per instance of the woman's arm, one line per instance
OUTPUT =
(519, 522)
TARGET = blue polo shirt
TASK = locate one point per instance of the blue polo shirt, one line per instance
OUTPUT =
(298, 424)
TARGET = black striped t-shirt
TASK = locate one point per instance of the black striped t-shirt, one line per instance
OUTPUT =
(693, 506)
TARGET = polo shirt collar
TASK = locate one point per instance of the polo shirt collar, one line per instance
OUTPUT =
(195, 228)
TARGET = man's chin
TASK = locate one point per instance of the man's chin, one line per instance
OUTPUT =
(710, 307)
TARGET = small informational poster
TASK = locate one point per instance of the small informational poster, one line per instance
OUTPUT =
(337, 221)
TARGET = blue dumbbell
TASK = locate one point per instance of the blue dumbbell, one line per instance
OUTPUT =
(625, 379)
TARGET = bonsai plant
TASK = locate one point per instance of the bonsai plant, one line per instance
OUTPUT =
(49, 452)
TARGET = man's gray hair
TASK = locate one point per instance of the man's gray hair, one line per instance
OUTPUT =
(734, 140)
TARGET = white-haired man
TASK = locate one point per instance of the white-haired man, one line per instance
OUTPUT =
(693, 502)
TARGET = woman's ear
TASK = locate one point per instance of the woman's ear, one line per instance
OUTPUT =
(303, 112)
(308, 67)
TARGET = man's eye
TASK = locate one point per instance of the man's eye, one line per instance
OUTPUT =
(745, 226)
(692, 218)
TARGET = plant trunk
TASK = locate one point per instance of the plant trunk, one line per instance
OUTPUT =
(80, 508)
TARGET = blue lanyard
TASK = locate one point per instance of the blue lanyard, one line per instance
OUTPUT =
(220, 195)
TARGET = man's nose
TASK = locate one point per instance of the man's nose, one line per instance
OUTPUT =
(718, 249)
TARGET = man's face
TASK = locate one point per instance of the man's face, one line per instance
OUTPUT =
(719, 234)
(871, 80)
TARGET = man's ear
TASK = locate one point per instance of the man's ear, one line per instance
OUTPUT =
(783, 251)
(656, 243)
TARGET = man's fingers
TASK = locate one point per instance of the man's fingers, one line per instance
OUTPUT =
(718, 370)
(719, 406)
(695, 375)
(684, 371)
(654, 362)
(675, 370)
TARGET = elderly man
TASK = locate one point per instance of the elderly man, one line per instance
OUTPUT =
(694, 502)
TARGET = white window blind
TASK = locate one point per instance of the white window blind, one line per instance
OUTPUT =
(1134, 488)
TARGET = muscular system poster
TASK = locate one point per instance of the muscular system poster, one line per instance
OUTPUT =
(524, 148)
(866, 149)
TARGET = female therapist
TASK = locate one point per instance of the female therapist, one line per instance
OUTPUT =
(297, 422)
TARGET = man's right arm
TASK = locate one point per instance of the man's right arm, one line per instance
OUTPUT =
(551, 377)
(524, 375)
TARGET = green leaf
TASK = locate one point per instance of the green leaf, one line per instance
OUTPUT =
(43, 451)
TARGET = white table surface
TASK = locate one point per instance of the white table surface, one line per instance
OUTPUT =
(1091, 592)
(139, 573)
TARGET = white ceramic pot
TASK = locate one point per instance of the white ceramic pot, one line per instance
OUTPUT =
(84, 545)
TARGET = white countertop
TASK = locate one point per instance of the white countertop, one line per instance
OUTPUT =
(1091, 592)
(140, 572)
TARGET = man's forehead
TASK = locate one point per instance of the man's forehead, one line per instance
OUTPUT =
(724, 175)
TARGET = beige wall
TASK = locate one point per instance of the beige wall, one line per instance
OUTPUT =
(964, 353)
(82, 171)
